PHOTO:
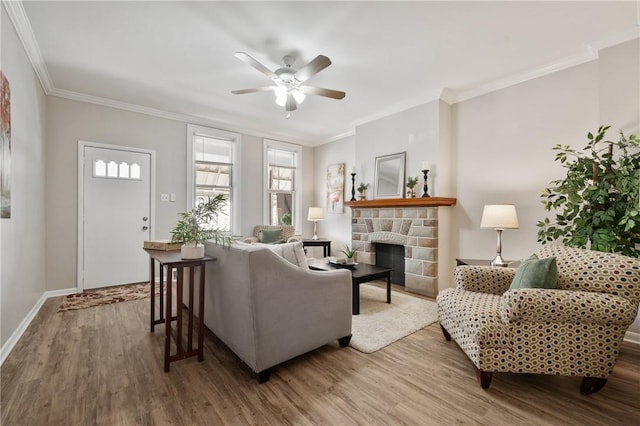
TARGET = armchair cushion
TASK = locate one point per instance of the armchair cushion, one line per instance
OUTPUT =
(536, 273)
(267, 236)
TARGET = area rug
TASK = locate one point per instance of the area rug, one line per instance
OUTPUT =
(380, 324)
(105, 296)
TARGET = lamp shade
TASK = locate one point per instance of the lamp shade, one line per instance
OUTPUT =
(499, 216)
(315, 213)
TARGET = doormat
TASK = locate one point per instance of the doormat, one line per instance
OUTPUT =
(380, 324)
(106, 296)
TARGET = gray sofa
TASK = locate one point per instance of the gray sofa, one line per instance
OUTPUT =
(268, 310)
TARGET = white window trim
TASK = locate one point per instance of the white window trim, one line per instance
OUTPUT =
(236, 181)
(284, 146)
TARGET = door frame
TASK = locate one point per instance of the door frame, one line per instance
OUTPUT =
(152, 197)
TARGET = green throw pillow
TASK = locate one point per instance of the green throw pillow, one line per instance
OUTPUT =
(270, 236)
(536, 273)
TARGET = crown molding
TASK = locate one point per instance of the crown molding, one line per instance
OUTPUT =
(21, 23)
(185, 118)
(589, 53)
(512, 80)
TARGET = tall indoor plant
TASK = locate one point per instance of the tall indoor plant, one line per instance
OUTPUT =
(596, 204)
(197, 226)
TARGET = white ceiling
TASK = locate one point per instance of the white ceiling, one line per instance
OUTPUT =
(176, 58)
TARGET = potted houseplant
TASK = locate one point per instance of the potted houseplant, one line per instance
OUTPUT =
(285, 219)
(411, 183)
(596, 204)
(196, 226)
(362, 190)
(349, 252)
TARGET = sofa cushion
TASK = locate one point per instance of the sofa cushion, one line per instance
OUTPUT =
(272, 236)
(293, 252)
(536, 273)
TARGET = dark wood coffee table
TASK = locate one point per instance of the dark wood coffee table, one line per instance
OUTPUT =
(360, 273)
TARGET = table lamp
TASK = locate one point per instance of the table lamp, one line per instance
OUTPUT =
(499, 217)
(315, 214)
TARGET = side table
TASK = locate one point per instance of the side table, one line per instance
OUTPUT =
(325, 244)
(173, 260)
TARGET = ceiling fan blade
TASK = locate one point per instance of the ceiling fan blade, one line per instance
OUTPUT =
(291, 104)
(257, 65)
(329, 93)
(312, 68)
(253, 90)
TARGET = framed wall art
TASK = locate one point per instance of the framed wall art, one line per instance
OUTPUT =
(335, 188)
(5, 148)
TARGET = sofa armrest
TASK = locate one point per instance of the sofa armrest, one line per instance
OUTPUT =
(484, 279)
(294, 239)
(249, 240)
(566, 306)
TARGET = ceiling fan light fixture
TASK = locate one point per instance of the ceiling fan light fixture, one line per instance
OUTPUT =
(281, 100)
(299, 96)
(280, 91)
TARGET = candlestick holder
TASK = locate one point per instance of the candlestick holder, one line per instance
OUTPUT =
(426, 186)
(353, 187)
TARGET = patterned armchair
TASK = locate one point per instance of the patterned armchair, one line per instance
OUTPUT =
(288, 233)
(574, 330)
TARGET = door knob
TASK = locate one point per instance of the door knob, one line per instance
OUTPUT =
(144, 228)
(145, 218)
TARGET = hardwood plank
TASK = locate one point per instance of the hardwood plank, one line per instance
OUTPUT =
(102, 366)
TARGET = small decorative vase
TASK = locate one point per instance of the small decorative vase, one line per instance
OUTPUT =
(363, 196)
(192, 252)
(350, 261)
(411, 193)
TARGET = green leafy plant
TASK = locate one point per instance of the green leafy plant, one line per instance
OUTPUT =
(412, 182)
(348, 251)
(194, 227)
(596, 204)
(363, 187)
(286, 219)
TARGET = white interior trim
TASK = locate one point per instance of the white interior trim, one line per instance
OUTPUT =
(297, 208)
(236, 177)
(152, 201)
(21, 23)
(22, 327)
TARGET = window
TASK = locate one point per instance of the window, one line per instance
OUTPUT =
(283, 183)
(213, 169)
(113, 170)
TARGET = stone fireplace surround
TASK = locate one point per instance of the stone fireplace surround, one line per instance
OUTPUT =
(412, 223)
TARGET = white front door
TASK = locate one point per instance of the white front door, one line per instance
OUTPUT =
(115, 216)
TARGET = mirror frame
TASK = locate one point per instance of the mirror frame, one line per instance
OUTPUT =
(396, 178)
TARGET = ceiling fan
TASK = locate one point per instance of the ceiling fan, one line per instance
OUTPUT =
(288, 82)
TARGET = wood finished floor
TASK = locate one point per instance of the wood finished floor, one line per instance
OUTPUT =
(101, 366)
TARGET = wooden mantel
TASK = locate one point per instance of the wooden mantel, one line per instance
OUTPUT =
(403, 202)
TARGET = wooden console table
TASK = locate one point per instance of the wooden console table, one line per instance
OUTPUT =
(173, 260)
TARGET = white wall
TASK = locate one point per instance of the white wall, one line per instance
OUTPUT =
(23, 235)
(336, 227)
(619, 90)
(504, 141)
(69, 121)
(414, 131)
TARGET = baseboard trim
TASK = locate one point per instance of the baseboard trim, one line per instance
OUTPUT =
(17, 334)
